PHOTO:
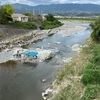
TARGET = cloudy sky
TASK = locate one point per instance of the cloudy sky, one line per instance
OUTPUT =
(38, 2)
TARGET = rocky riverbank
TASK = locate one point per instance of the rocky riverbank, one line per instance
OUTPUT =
(26, 39)
(35, 35)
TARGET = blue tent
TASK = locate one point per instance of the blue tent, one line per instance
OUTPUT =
(32, 54)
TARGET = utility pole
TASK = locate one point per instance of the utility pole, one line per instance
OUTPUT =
(0, 2)
(33, 11)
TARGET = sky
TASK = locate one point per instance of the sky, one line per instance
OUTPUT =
(39, 2)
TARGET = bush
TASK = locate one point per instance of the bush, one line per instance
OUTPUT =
(50, 22)
(23, 25)
(50, 25)
(91, 92)
(96, 30)
(96, 60)
(91, 77)
(50, 17)
(92, 67)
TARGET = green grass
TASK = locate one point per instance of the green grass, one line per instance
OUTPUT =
(92, 92)
(50, 24)
(91, 76)
(71, 92)
(80, 19)
(23, 25)
(92, 70)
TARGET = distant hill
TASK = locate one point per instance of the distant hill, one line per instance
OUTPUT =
(57, 8)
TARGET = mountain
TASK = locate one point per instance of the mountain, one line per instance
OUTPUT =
(52, 8)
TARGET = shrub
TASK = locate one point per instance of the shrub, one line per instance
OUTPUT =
(50, 25)
(91, 77)
(91, 92)
(23, 25)
(92, 67)
(96, 30)
(96, 60)
(50, 22)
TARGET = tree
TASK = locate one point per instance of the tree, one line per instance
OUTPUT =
(50, 17)
(6, 14)
(9, 9)
(28, 14)
(96, 30)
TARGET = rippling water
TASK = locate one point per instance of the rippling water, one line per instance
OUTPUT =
(23, 81)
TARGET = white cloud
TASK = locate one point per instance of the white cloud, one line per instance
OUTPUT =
(37, 2)
(98, 2)
(60, 1)
(75, 2)
(18, 1)
(27, 2)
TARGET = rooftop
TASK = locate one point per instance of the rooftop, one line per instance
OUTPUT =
(18, 15)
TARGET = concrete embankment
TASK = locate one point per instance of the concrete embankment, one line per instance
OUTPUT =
(9, 32)
(26, 38)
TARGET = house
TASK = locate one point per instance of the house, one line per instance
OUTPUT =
(20, 17)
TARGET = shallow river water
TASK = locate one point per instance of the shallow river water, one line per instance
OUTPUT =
(23, 81)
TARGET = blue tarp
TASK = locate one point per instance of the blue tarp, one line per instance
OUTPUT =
(32, 54)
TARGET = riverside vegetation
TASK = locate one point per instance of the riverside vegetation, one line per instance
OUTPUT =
(48, 23)
(35, 21)
(80, 79)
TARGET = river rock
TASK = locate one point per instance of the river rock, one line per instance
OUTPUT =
(57, 42)
(46, 93)
(44, 54)
(77, 47)
(44, 80)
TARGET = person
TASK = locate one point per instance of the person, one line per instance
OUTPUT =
(18, 54)
(36, 56)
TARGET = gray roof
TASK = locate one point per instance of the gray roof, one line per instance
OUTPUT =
(19, 15)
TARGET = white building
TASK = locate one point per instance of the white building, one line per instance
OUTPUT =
(20, 17)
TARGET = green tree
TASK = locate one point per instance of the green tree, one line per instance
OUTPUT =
(50, 17)
(96, 30)
(28, 14)
(6, 14)
(9, 9)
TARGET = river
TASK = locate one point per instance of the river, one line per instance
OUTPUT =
(23, 81)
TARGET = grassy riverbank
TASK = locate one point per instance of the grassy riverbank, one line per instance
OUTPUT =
(78, 19)
(50, 24)
(44, 25)
(80, 79)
